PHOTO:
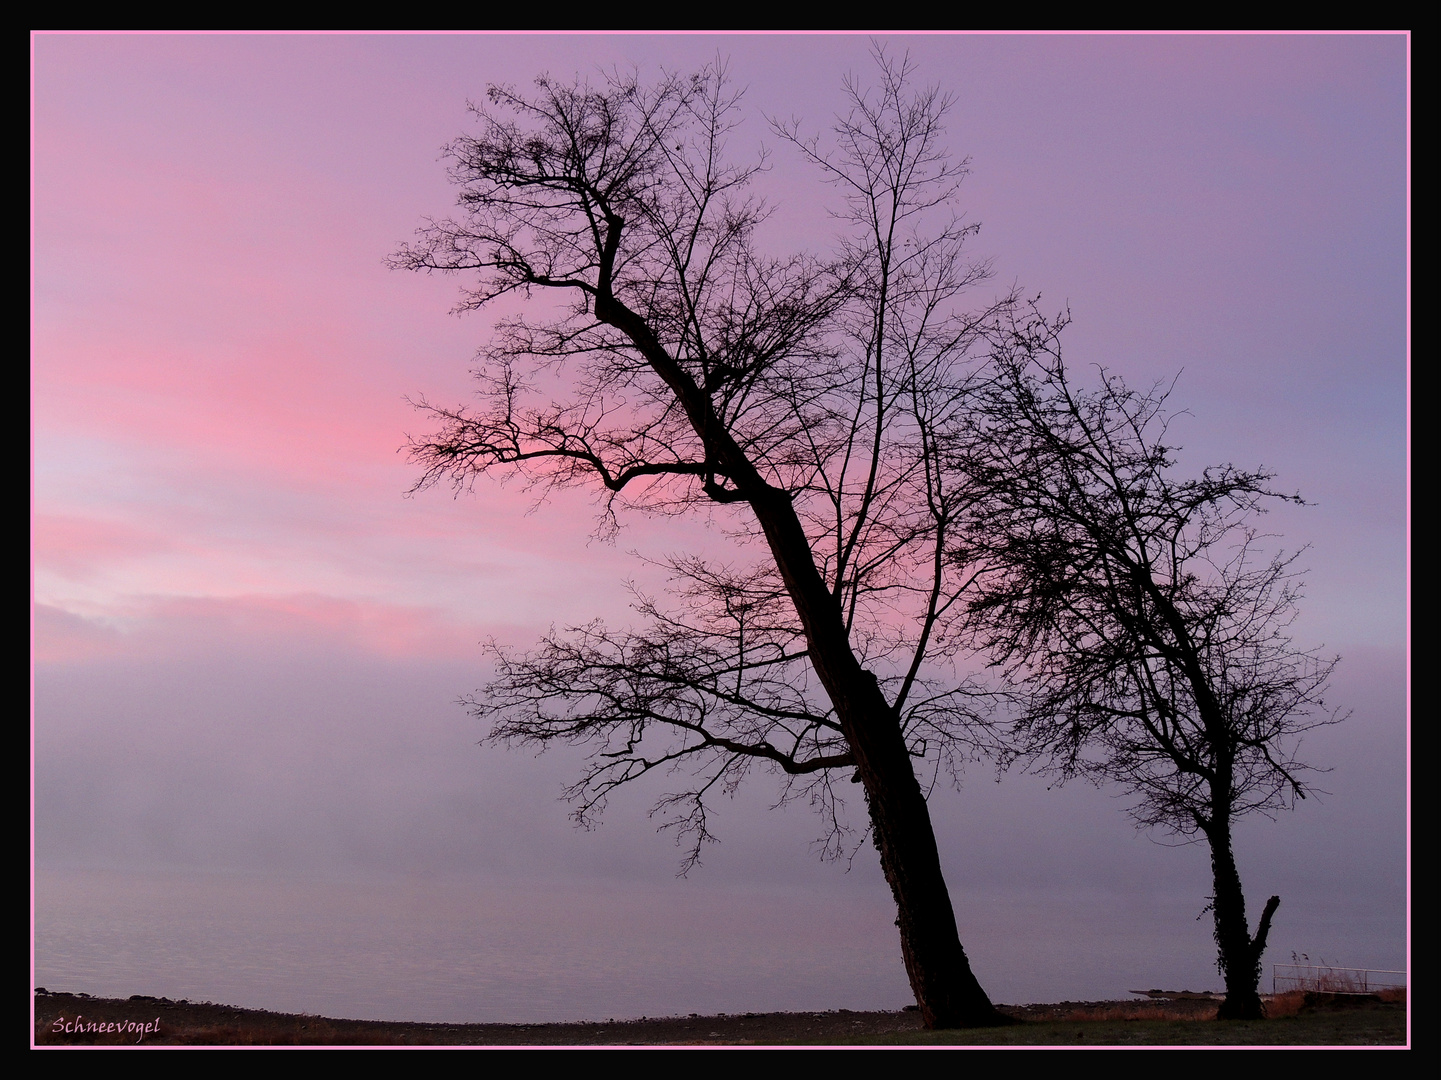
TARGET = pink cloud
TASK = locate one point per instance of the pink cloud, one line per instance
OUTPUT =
(82, 547)
(295, 623)
(63, 637)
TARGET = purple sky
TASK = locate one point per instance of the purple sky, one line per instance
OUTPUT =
(248, 642)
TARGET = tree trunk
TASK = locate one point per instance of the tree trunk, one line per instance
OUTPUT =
(1239, 955)
(946, 990)
(941, 978)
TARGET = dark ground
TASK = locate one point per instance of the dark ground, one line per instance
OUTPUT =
(1180, 1020)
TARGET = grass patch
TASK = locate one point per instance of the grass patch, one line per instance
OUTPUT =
(1313, 1020)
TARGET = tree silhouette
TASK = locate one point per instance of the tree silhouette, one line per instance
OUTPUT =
(1136, 613)
(804, 399)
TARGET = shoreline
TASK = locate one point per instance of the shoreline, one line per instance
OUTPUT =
(63, 1019)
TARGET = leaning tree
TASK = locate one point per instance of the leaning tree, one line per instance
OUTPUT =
(1138, 615)
(804, 400)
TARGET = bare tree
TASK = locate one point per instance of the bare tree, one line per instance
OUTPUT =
(1138, 615)
(803, 399)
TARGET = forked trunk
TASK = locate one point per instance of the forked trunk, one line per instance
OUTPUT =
(1239, 954)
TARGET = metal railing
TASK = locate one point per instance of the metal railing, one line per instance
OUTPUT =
(1328, 979)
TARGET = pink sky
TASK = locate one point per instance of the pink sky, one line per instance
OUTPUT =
(220, 359)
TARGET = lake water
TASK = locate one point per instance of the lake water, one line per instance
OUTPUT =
(473, 951)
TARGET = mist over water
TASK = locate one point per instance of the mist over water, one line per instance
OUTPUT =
(466, 952)
(265, 821)
(455, 951)
(460, 951)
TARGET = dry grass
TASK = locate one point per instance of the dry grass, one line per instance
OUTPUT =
(1281, 1005)
(1141, 1010)
(1320, 977)
(1182, 1007)
(1296, 1002)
